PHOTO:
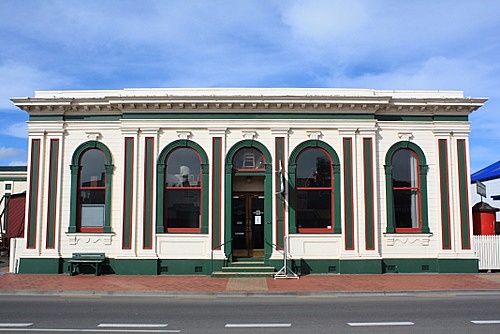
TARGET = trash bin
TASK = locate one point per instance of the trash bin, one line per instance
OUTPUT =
(484, 218)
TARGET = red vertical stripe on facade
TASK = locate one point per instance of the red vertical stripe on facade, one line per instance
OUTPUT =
(216, 193)
(53, 178)
(464, 188)
(280, 209)
(128, 197)
(148, 193)
(348, 195)
(369, 195)
(444, 186)
(33, 194)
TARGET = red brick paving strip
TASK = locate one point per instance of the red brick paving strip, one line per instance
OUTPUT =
(206, 284)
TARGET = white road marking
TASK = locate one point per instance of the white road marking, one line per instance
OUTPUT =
(270, 325)
(87, 330)
(16, 324)
(486, 322)
(387, 323)
(133, 325)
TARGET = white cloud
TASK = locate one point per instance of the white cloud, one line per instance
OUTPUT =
(322, 21)
(440, 73)
(20, 79)
(18, 130)
(382, 44)
(9, 152)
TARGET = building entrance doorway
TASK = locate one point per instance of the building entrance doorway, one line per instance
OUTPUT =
(248, 224)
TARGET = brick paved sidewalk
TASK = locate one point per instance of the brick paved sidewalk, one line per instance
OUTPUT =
(316, 284)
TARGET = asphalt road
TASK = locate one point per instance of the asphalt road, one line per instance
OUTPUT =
(422, 313)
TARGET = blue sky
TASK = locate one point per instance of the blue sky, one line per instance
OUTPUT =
(426, 44)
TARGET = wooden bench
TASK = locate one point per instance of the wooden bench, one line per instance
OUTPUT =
(95, 260)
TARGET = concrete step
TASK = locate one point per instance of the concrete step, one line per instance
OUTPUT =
(248, 269)
(236, 274)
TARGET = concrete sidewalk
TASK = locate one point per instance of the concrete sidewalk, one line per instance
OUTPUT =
(205, 285)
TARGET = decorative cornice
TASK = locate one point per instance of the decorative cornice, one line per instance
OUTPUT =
(355, 101)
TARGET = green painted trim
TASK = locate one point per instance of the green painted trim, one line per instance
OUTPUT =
(459, 266)
(148, 222)
(92, 118)
(247, 115)
(238, 115)
(128, 192)
(348, 195)
(75, 118)
(53, 193)
(404, 265)
(336, 266)
(21, 169)
(132, 267)
(280, 191)
(463, 186)
(268, 195)
(216, 192)
(75, 171)
(423, 118)
(445, 194)
(292, 169)
(19, 179)
(369, 193)
(187, 267)
(458, 118)
(423, 169)
(360, 266)
(33, 194)
(430, 265)
(46, 118)
(403, 118)
(39, 266)
(299, 266)
(160, 182)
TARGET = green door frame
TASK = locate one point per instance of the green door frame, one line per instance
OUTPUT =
(229, 173)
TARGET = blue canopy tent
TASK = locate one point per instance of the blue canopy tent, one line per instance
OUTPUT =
(490, 172)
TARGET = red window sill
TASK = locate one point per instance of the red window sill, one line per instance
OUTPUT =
(183, 230)
(91, 230)
(407, 230)
(315, 230)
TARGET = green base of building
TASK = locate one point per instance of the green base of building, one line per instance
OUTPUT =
(430, 265)
(301, 267)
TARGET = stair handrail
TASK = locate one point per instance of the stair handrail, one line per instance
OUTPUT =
(212, 254)
(275, 247)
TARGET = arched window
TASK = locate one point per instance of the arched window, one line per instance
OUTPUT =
(405, 190)
(406, 175)
(90, 206)
(183, 191)
(249, 158)
(92, 191)
(314, 191)
(182, 183)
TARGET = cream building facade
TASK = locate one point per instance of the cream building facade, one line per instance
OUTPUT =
(189, 181)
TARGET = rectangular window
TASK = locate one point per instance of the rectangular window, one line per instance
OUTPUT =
(92, 216)
(8, 186)
(183, 212)
(92, 210)
(314, 210)
(406, 208)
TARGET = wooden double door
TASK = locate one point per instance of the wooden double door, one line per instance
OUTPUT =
(248, 225)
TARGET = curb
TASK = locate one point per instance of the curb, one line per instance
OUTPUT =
(315, 294)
